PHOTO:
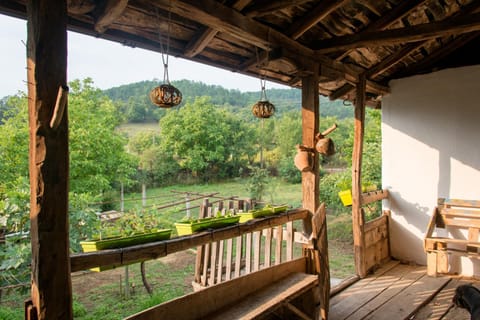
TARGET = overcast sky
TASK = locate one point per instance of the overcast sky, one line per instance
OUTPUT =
(108, 63)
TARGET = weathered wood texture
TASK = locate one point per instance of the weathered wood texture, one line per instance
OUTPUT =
(320, 254)
(289, 277)
(453, 231)
(310, 128)
(377, 242)
(47, 68)
(124, 256)
(394, 291)
(357, 211)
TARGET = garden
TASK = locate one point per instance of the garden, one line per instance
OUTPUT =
(156, 179)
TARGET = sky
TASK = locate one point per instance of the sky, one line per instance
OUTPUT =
(108, 63)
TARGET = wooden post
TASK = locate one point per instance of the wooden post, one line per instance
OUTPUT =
(358, 218)
(51, 292)
(310, 126)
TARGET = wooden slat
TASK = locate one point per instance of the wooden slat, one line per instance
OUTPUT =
(405, 302)
(350, 301)
(248, 253)
(238, 256)
(268, 247)
(278, 245)
(202, 303)
(289, 240)
(373, 196)
(213, 263)
(229, 260)
(220, 261)
(269, 298)
(155, 250)
(460, 203)
(460, 213)
(256, 250)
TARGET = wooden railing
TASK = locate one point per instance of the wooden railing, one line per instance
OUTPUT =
(153, 250)
(227, 259)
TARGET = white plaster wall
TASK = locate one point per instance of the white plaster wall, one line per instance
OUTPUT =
(431, 149)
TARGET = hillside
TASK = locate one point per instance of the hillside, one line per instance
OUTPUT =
(134, 103)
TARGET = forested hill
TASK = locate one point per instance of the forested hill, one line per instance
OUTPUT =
(135, 104)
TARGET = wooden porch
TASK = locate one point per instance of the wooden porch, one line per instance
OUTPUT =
(399, 291)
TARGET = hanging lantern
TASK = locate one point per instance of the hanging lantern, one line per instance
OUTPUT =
(165, 95)
(263, 108)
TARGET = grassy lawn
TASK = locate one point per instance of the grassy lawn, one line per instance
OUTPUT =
(102, 295)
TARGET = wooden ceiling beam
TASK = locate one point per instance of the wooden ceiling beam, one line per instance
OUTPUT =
(346, 89)
(314, 16)
(225, 19)
(106, 12)
(80, 6)
(437, 55)
(267, 7)
(199, 43)
(398, 12)
(458, 25)
(393, 59)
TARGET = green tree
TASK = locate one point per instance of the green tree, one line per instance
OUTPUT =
(97, 152)
(205, 140)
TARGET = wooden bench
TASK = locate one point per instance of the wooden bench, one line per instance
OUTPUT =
(246, 297)
(299, 288)
(453, 229)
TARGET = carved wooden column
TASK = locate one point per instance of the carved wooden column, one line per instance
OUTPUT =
(357, 212)
(47, 69)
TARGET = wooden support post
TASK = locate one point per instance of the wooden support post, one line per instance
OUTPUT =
(358, 218)
(51, 289)
(310, 127)
(320, 253)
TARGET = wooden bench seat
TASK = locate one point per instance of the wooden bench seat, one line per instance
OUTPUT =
(461, 220)
(246, 297)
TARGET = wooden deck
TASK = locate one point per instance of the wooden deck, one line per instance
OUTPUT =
(399, 291)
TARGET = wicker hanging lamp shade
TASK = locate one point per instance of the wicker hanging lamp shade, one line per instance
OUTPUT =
(263, 108)
(165, 96)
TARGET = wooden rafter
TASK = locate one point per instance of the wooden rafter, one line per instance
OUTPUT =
(463, 24)
(200, 42)
(106, 12)
(267, 7)
(313, 17)
(212, 14)
(439, 54)
(389, 18)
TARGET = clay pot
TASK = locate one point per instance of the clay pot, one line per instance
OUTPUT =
(303, 159)
(325, 146)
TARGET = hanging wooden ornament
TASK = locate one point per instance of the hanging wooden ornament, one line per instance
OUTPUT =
(263, 108)
(165, 95)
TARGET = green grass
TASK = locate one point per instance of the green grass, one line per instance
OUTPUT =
(131, 129)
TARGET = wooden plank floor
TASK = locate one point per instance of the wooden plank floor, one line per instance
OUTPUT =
(399, 291)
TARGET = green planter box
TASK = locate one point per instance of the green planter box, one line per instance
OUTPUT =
(189, 227)
(261, 213)
(121, 242)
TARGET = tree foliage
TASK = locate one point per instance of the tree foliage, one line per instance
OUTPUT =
(206, 140)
